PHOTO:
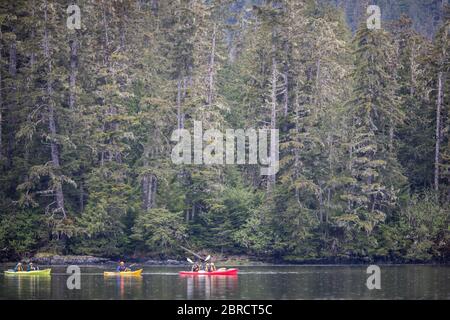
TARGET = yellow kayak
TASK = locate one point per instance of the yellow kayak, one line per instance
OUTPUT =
(44, 272)
(123, 274)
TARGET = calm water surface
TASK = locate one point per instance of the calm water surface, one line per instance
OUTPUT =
(262, 282)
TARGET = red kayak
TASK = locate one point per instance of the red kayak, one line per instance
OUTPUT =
(220, 272)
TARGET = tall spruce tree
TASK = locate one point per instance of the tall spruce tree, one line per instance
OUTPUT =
(375, 115)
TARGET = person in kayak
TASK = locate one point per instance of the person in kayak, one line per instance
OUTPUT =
(122, 268)
(210, 267)
(32, 267)
(195, 267)
(18, 267)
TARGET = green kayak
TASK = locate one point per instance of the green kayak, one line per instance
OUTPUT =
(44, 272)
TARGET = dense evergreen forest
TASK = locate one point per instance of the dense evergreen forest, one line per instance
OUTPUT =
(86, 117)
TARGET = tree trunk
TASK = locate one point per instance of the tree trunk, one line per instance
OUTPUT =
(112, 154)
(106, 40)
(318, 94)
(438, 132)
(73, 72)
(13, 61)
(391, 137)
(13, 104)
(29, 80)
(331, 173)
(33, 34)
(1, 99)
(81, 196)
(51, 117)
(328, 204)
(149, 187)
(320, 205)
(296, 148)
(144, 184)
(350, 169)
(122, 30)
(286, 89)
(180, 124)
(273, 114)
(155, 7)
(210, 97)
(154, 188)
(412, 70)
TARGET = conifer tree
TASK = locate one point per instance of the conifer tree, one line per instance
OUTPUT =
(375, 116)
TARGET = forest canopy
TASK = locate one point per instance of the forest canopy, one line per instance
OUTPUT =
(86, 117)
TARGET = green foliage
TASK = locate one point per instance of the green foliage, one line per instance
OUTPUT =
(159, 230)
(419, 234)
(256, 235)
(22, 233)
(426, 223)
(227, 213)
(109, 197)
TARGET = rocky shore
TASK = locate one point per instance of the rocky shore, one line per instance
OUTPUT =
(52, 259)
(67, 260)
(168, 262)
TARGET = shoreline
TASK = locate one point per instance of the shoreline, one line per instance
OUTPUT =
(64, 260)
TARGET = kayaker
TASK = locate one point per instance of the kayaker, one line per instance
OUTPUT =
(32, 267)
(210, 267)
(195, 267)
(121, 267)
(18, 267)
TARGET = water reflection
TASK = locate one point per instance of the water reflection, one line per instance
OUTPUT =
(125, 287)
(29, 287)
(210, 287)
(257, 282)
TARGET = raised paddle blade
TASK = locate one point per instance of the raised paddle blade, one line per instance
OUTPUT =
(207, 258)
(190, 261)
(192, 252)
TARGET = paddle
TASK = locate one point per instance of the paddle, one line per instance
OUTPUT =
(131, 265)
(190, 261)
(192, 252)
